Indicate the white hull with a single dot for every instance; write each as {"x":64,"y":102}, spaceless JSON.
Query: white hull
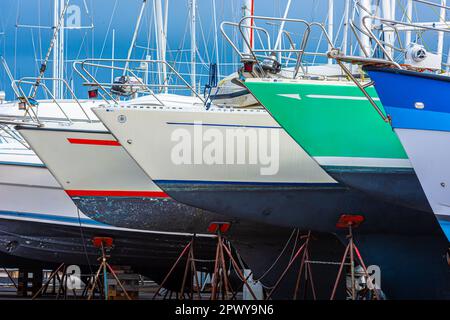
{"x":29,"y":192}
{"x":148,"y":136}
{"x":81,"y":159}
{"x":429,"y":153}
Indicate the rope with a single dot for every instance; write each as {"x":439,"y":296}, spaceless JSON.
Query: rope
{"x":278,"y":258}
{"x":84,"y":241}
{"x":107,"y":33}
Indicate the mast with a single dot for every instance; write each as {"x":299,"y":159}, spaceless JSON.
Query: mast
{"x":440,"y":46}
{"x":56,"y":32}
{"x":216,"y":40}
{"x":388,"y":14}
{"x":393,"y":7}
{"x":135,"y":34}
{"x":56,"y":65}
{"x":365,"y":39}
{"x":248,"y":10}
{"x":193,"y":43}
{"x":280,"y":31}
{"x":330,"y":30}
{"x":113,"y":53}
{"x":345,"y":35}
{"x":409,"y":8}
{"x":61,"y":35}
{"x":161,"y":41}
{"x":56,"y":48}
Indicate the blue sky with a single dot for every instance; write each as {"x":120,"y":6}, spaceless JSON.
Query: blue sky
{"x":23,"y":48}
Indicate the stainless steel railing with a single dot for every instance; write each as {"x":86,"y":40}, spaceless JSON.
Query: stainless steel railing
{"x":81,"y":68}
{"x":267,"y":51}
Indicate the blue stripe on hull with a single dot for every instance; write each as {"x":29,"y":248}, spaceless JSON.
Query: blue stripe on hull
{"x":22,"y":164}
{"x":222,"y":125}
{"x":248,"y":183}
{"x":418,"y":119}
{"x":50,"y":218}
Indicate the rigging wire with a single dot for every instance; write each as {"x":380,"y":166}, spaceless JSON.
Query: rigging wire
{"x":107,"y":33}
{"x":84,"y":241}
{"x":278,"y":257}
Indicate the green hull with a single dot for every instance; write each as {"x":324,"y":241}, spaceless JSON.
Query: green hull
{"x":336,"y":125}
{"x":328,"y":119}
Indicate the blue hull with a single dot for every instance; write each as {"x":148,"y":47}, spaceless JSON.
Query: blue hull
{"x":400,"y":90}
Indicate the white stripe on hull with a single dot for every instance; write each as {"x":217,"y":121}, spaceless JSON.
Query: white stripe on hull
{"x":331,"y":97}
{"x":363,"y":162}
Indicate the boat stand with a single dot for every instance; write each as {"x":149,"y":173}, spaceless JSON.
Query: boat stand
{"x":349,"y":222}
{"x":190,"y":266}
{"x":220,"y":281}
{"x":62,"y":283}
{"x":10,"y":278}
{"x":104,"y":243}
{"x":304,"y":270}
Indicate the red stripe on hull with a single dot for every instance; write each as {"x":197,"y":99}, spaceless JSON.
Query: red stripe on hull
{"x":94,"y":142}
{"x":111,"y":193}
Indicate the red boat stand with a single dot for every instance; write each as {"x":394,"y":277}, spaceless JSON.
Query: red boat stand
{"x":348,"y":221}
{"x":104,"y":243}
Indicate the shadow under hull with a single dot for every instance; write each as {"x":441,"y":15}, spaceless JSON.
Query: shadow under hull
{"x":391,"y":236}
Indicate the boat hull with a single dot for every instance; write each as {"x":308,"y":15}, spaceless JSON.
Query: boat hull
{"x":337,"y":126}
{"x":429,"y":154}
{"x":295,"y":196}
{"x":375,"y":182}
{"x":299,"y":202}
{"x":54,"y":230}
{"x":106,"y":184}
{"x":421,"y":121}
